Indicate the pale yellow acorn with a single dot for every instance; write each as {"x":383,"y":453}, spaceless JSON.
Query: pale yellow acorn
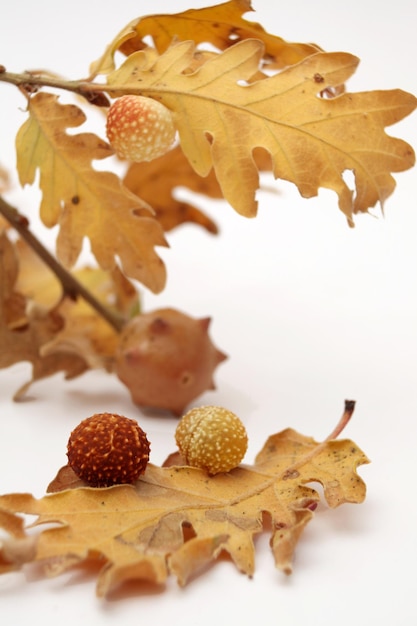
{"x":211,"y":438}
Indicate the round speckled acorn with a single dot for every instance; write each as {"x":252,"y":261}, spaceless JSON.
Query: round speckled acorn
{"x":108,"y":449}
{"x":211,"y":438}
{"x":139,"y":128}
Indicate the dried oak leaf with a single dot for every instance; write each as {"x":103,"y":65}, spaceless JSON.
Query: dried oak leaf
{"x":175,"y":520}
{"x":84,"y":333}
{"x":40,"y":284}
{"x":222,"y":118}
{"x":4,"y":180}
{"x":83,"y":201}
{"x":18,"y":548}
{"x":221,"y":25}
{"x":155,"y":181}
{"x":25,"y":330}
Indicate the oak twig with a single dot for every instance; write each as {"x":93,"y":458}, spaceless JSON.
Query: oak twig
{"x":70,"y":285}
{"x":29,"y":82}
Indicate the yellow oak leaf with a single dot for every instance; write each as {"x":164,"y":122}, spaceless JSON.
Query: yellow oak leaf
{"x":38,"y":283}
{"x":221,"y":25}
{"x":86,"y":333}
{"x":156,"y":182}
{"x":177,"y":519}
{"x":222,"y":118}
{"x":83,"y":201}
{"x":35,"y":279}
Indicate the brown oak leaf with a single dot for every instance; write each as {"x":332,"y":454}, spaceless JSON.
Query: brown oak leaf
{"x":84,"y":333}
{"x":25,"y":330}
{"x":56,"y":333}
{"x":177,"y":519}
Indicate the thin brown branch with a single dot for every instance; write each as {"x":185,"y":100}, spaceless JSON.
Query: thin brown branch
{"x":30,"y":82}
{"x":70,"y":285}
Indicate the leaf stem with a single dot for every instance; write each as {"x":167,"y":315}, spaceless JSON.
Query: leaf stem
{"x":342,"y":423}
{"x":292,"y":470}
{"x":70,"y":285}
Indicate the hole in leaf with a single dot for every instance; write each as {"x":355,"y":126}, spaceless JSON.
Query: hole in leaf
{"x":188,"y":532}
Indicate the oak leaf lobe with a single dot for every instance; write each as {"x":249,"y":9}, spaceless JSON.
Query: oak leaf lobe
{"x":221,"y":25}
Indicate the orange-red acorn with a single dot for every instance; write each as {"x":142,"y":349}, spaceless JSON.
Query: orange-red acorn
{"x":108,"y":449}
{"x":139,"y":128}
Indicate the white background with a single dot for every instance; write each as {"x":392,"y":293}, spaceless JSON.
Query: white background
{"x":310,"y":312}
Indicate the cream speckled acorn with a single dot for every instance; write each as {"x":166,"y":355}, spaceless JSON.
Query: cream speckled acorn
{"x":139,"y":128}
{"x":212,"y":438}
